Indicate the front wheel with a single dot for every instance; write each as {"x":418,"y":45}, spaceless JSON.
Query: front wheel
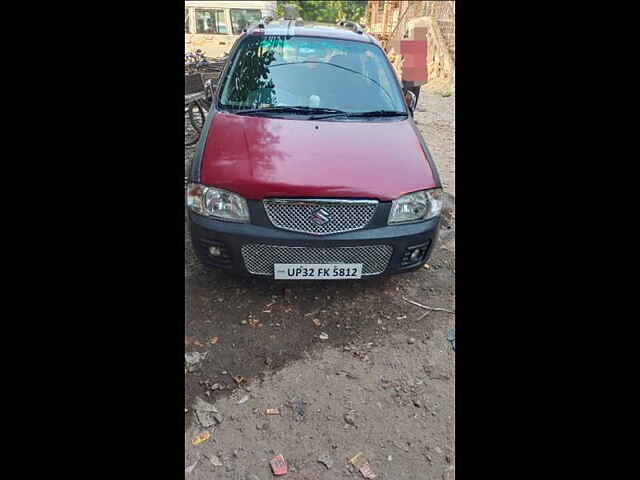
{"x":194,"y":118}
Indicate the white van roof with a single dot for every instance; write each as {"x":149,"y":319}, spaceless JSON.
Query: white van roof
{"x":266,"y":6}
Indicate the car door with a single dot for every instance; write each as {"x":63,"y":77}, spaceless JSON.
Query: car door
{"x":211,"y":32}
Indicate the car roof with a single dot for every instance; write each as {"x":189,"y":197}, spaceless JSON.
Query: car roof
{"x":311,"y":29}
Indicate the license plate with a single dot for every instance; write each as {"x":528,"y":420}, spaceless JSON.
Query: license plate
{"x":317,"y":271}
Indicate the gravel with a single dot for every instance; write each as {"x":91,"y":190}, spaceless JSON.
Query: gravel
{"x":286,"y":366}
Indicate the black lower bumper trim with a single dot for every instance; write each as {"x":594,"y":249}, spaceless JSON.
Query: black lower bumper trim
{"x":207,"y":232}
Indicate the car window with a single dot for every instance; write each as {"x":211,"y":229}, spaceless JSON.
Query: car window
{"x":241,"y":18}
{"x":304,"y":71}
{"x":210,"y":21}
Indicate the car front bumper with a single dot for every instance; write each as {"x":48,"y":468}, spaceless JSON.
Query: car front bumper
{"x":249,"y":249}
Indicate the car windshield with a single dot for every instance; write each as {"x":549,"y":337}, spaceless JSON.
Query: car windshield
{"x":316,"y":73}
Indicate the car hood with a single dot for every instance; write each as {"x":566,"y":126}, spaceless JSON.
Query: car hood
{"x":260,"y":157}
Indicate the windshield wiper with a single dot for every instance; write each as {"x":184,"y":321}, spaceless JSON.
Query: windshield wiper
{"x":373,"y":113}
{"x":289,"y":109}
{"x":379,"y":113}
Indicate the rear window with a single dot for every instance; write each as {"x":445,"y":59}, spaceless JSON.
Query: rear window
{"x":241,"y":18}
{"x":272,"y":71}
{"x":210,"y":21}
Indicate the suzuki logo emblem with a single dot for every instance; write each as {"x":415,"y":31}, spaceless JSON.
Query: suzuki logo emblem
{"x":321,"y":216}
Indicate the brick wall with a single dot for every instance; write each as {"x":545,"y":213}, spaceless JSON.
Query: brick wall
{"x":402,"y":16}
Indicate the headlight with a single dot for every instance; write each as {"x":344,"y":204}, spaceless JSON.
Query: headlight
{"x":214,"y":202}
{"x":416,"y":206}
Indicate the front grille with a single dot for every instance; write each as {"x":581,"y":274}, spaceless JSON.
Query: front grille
{"x":336,"y":216}
{"x":259,"y":259}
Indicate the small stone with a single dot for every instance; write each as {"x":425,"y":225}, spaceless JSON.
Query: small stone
{"x":401,"y":447}
{"x":324,"y":336}
{"x":190,"y":468}
{"x":215,"y":461}
{"x":205,"y":412}
{"x":193,"y":358}
{"x":243,"y":399}
{"x":411,"y":341}
{"x":263,"y":426}
{"x":349,"y":418}
{"x":438,"y":450}
{"x":447,"y":458}
{"x":367,"y":472}
{"x":326,"y":460}
{"x":278,"y":465}
{"x":417,"y":403}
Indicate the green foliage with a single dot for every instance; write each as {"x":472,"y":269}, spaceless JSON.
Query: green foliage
{"x":327,"y":10}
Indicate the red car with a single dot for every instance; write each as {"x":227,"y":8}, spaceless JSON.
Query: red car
{"x":310,"y":165}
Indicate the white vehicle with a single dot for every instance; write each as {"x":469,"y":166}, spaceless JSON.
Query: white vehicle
{"x":213,"y":26}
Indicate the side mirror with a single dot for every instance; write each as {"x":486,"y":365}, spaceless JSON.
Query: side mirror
{"x":411,"y":100}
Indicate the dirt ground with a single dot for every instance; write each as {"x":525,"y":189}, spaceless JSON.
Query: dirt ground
{"x":381,"y":384}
